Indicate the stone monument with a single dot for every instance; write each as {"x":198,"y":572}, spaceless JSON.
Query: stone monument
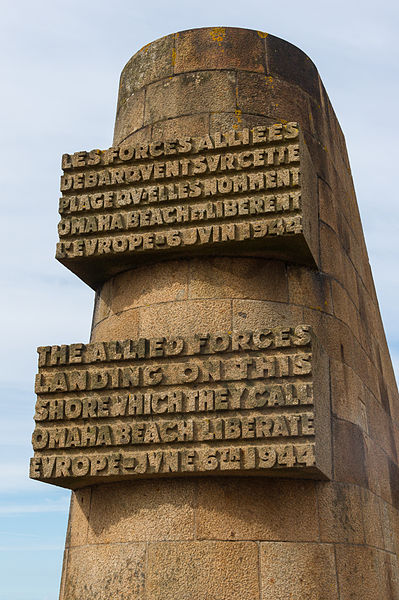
{"x":230,"y":431}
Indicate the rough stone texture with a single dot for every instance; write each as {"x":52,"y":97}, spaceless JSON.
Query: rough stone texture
{"x":298,"y":571}
{"x":110,"y":571}
{"x":202,"y":570}
{"x":200,"y":49}
{"x":234,"y":538}
{"x":367,"y":573}
{"x":258,"y":510}
{"x":132,"y":517}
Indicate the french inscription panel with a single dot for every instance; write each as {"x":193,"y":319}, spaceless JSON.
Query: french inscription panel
{"x":250,"y":402}
{"x":249,"y":192}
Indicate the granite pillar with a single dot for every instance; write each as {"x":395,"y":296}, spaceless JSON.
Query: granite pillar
{"x":249,"y":538}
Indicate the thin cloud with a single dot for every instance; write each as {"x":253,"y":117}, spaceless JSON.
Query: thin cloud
{"x":61,"y":505}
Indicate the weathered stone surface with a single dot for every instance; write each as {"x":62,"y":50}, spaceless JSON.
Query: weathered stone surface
{"x":290,"y":63}
{"x":169,"y":129}
{"x":266,"y":280}
{"x":259,"y":510}
{"x":78,"y":518}
{"x":215,"y":316}
{"x":372,"y":519}
{"x":132,"y":517}
{"x":309,"y":288}
{"x":220,"y":47}
{"x":237,"y":537}
{"x":167,"y":282}
{"x":188,"y":93}
{"x":341,"y":517}
{"x":369,"y":573}
{"x":131,"y":110}
{"x":272,"y":97}
{"x":253,"y":314}
{"x":154,"y":61}
{"x":217,"y":570}
{"x":297,"y":571}
{"x":350,"y":454}
{"x":109,"y":328}
{"x":105,"y":571}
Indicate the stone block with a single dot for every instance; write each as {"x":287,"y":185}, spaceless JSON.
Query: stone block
{"x":331,"y":253}
{"x":153,"y":284}
{"x":79,"y":514}
{"x":130,"y":116}
{"x":123,"y":326}
{"x":110,"y":571}
{"x":184,"y":318}
{"x":355,"y":251}
{"x":139,"y":136}
{"x":391,"y":565}
{"x":259,"y":509}
{"x":344,"y":308}
{"x":366,"y":573}
{"x":378,"y":470}
{"x":102,"y":303}
{"x":274,"y":98}
{"x":221,"y":48}
{"x":225,"y":121}
{"x":341,"y":345}
{"x":252,"y":278}
{"x":142,"y":511}
{"x":349,"y":400}
{"x":317,"y":118}
{"x":346,"y":199}
{"x":365,"y":368}
{"x":257,"y":314}
{"x":309,"y":288}
{"x":202,"y":570}
{"x":334,"y":335}
{"x":327,"y":204}
{"x":373,"y":528}
{"x":187,"y":125}
{"x":321,"y":158}
{"x":380,"y":427}
{"x":343,"y":230}
{"x":297,"y":571}
{"x":289,"y":62}
{"x":366,"y":311}
{"x":349,"y":453}
{"x":389,"y":518}
{"x":340,"y":513}
{"x":188,"y":93}
{"x":153,"y":62}
{"x":349,"y":278}
{"x":387,"y":371}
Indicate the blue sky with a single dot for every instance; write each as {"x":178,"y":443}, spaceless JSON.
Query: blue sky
{"x":60,"y":65}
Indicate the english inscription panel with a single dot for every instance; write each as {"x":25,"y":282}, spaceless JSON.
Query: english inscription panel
{"x":249,"y":402}
{"x":248,"y":192}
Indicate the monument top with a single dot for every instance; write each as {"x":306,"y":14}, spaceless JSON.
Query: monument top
{"x":210,"y":157}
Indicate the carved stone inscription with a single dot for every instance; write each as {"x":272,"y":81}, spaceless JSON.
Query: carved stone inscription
{"x":253,"y":402}
{"x":249,"y":191}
